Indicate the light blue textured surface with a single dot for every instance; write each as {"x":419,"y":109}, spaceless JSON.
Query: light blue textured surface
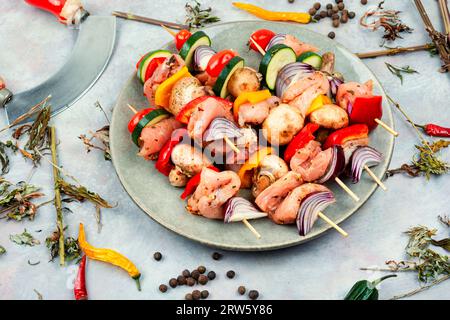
{"x":34,"y":46}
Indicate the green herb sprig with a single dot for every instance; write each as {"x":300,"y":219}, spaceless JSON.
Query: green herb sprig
{"x":197,"y":17}
{"x":15,"y":200}
{"x":398,"y":71}
{"x":72,"y":251}
{"x":24,"y":238}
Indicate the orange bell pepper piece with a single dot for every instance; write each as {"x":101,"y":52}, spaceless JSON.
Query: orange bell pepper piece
{"x":251,"y":164}
{"x":318,"y":103}
{"x":164,"y":91}
{"x":252,"y":97}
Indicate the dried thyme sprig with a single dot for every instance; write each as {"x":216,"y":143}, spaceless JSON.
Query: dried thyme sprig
{"x":398,"y":71}
{"x":4,"y":158}
{"x":72,"y":250}
{"x":15,"y":201}
{"x":101,"y":135}
{"x":427,"y":161}
{"x":197,"y":17}
{"x":24,"y":238}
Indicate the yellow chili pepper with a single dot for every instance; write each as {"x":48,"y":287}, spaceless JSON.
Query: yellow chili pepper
{"x":252,"y":97}
{"x":299,"y":17}
{"x":251,"y":164}
{"x":318,"y":103}
{"x":109,"y":256}
{"x":164,"y":91}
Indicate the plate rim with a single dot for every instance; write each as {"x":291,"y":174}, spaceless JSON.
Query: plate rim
{"x":256,"y":247}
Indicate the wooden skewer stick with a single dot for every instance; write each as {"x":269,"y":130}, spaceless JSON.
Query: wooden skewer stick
{"x":130,"y":16}
{"x":347,"y":189}
{"x":251,"y":228}
{"x":168,"y":30}
{"x":232,"y":146}
{"x":386,"y":127}
{"x":334,"y":225}
{"x":375,"y":178}
{"x":261,"y":50}
{"x":132,"y":108}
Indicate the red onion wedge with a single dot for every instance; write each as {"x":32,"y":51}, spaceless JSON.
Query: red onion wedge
{"x":202,"y":55}
{"x":277,"y":39}
{"x":310,"y":208}
{"x":361,"y":157}
{"x":334,"y":84}
{"x":221,"y":128}
{"x":290,"y":74}
{"x":336,"y":165}
{"x":238,"y":209}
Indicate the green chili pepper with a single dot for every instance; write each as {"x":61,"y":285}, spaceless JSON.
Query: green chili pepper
{"x":365,"y":290}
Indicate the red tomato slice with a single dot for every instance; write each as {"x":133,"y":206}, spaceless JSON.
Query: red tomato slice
{"x":137,"y":117}
{"x":181,"y":37}
{"x":219,"y":61}
{"x":262,"y":37}
{"x":152,"y":67}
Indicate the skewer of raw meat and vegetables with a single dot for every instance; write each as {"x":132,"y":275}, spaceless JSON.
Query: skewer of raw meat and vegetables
{"x":189,"y":118}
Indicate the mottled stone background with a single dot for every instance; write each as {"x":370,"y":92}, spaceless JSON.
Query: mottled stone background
{"x":34,"y":46}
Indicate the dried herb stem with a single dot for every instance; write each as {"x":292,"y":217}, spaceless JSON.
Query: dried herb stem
{"x":422,"y":288}
{"x":395,"y":51}
{"x":58,"y":202}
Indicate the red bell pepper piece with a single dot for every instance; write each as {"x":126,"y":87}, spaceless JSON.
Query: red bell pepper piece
{"x":366,"y":110}
{"x":300,"y":140}
{"x":79,"y":289}
{"x":138,"y":117}
{"x":152,"y":67}
{"x":193,"y":183}
{"x":163,"y":164}
{"x":341,"y":136}
{"x":185,"y":114}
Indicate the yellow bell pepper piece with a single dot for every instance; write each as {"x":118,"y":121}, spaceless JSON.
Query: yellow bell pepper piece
{"x":251,"y":164}
{"x":252,"y":97}
{"x":299,"y":17}
{"x":318,"y":103}
{"x":109,"y":256}
{"x":164,"y":91}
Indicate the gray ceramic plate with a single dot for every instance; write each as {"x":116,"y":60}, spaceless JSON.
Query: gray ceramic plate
{"x":155,"y":196}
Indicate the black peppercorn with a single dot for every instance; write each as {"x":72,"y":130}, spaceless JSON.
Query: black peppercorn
{"x":203,"y":279}
{"x":331,"y":35}
{"x":317,"y":5}
{"x":344,"y":18}
{"x":329,"y":6}
{"x":341,"y":6}
{"x":201,"y":269}
{"x":186,"y":273}
{"x":181,"y":280}
{"x":329,"y":13}
{"x":157,"y":256}
{"x":204,"y":294}
{"x":196,"y":295}
{"x":253,"y":294}
{"x":335,"y":16}
{"x":216,"y":255}
{"x":241,"y":290}
{"x":351,"y":14}
{"x":336,"y":23}
{"x":335,"y":9}
{"x":195,"y":274}
{"x":363,"y":2}
{"x":163,"y":288}
{"x":188,"y":296}
{"x":323,"y":14}
{"x":231,"y":274}
{"x":312,"y":11}
{"x":173,"y":282}
{"x":317,"y":17}
{"x":211,"y":275}
{"x":190,"y":281}
{"x":291,"y":1}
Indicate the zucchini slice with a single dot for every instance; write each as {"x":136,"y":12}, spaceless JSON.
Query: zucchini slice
{"x":153,"y":117}
{"x":220,"y":87}
{"x":311,"y":58}
{"x":198,"y":39}
{"x":275,"y":58}
{"x":142,"y":69}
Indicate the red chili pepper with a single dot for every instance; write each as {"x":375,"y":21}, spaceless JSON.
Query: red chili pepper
{"x":366,"y":109}
{"x":218,"y":62}
{"x":434,"y":130}
{"x":341,"y":136}
{"x":163,"y":164}
{"x":185,"y":114}
{"x":262,"y":37}
{"x":138,"y":117}
{"x":300,"y":140}
{"x":181,"y":37}
{"x":193,"y":183}
{"x":79,"y":289}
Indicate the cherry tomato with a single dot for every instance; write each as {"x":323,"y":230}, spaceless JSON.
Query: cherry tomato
{"x":261,"y":37}
{"x":181,"y":38}
{"x":152,"y":66}
{"x":137,"y":117}
{"x":219,"y":61}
